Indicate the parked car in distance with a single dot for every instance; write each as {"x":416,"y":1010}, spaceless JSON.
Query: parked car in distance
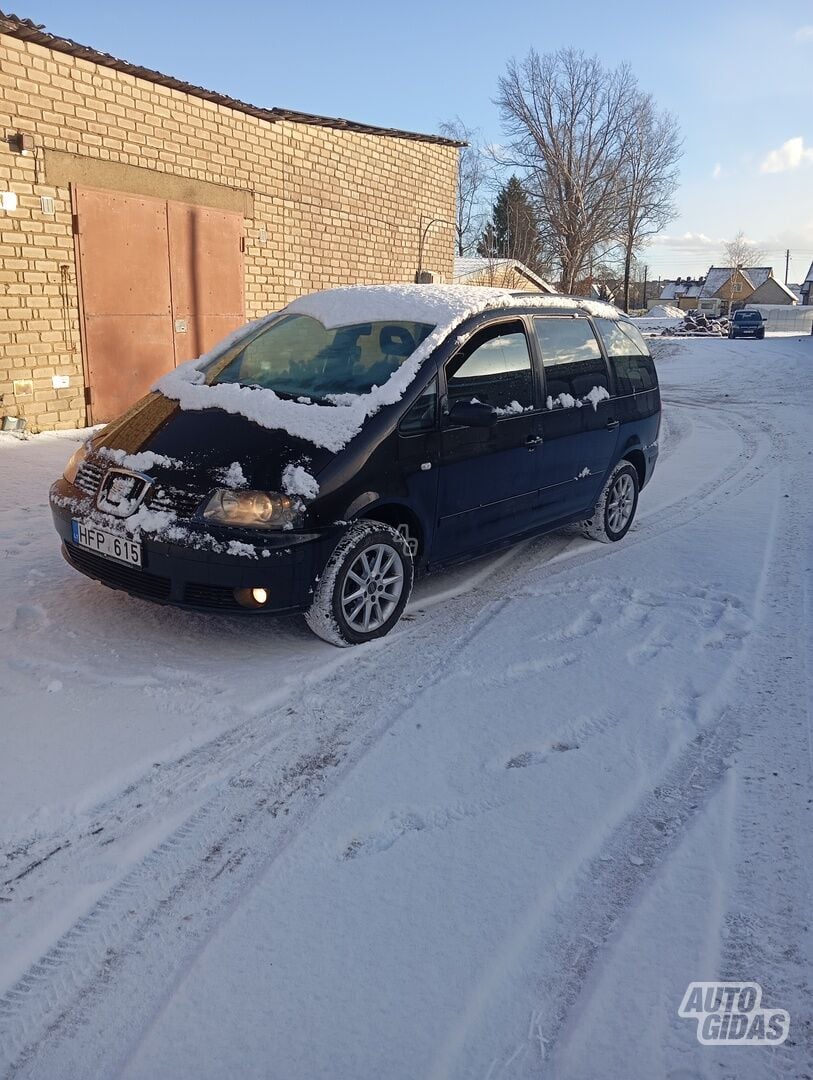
{"x":746,"y":323}
{"x":313,"y":461}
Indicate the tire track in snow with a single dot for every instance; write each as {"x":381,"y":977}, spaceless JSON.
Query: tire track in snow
{"x":202,"y":867}
{"x":208,"y":764}
{"x":108,"y":941}
{"x":598,"y":888}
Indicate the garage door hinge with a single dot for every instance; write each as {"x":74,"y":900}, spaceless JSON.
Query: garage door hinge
{"x":75,"y":224}
{"x":242,"y":245}
{"x":88,"y":396}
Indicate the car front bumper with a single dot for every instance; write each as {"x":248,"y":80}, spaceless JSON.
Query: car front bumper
{"x":201,"y":574}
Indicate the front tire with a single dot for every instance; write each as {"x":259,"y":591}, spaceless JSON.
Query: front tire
{"x":365,"y":586}
{"x":615,"y":510}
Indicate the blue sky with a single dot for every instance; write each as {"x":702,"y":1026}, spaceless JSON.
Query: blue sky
{"x":737,"y":75}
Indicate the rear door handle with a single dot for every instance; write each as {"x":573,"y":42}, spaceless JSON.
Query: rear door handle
{"x":612,"y":424}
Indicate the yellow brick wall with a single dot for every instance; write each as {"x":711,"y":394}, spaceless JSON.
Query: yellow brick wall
{"x":331,"y":207}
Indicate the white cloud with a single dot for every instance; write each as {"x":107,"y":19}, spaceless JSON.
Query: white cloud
{"x":717,"y":171}
{"x":688,"y":241}
{"x":804,"y":33}
{"x":790,"y":155}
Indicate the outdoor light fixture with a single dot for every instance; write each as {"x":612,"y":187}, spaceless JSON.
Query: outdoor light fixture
{"x":22,"y":143}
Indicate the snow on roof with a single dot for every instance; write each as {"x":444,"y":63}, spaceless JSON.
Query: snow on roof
{"x":466,"y":266}
{"x":787,"y":289}
{"x":716,"y":279}
{"x":332,"y":426}
{"x":758,"y":275}
{"x":673,"y":290}
{"x":718,"y":276}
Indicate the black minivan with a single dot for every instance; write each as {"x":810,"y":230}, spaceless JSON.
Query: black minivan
{"x":314,"y":460}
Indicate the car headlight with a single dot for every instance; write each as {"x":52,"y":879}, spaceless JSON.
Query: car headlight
{"x":255,"y":509}
{"x":75,"y":460}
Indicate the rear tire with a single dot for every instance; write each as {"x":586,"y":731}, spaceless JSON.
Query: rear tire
{"x":365,"y":586}
{"x":615,"y":509}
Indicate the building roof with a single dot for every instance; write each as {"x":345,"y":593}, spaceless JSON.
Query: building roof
{"x":809,"y":278}
{"x":757,"y":275}
{"x":26,"y":30}
{"x":718,"y":276}
{"x":673,"y":290}
{"x":467,"y":266}
{"x":788,"y":289}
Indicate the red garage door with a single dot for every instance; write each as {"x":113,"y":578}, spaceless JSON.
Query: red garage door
{"x":160,"y":283}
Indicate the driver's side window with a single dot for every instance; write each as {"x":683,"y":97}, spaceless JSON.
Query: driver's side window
{"x":493,"y":368}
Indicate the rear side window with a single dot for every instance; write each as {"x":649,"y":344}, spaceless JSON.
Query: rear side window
{"x":632,"y":365}
{"x":574,"y":367}
{"x":495,"y":368}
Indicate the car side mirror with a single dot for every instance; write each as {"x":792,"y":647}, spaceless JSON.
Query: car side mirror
{"x":472,"y":414}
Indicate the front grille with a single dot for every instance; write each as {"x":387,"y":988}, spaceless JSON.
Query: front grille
{"x":89,"y":477}
{"x":118,"y":575}
{"x":183,"y":503}
{"x":166,"y":499}
{"x":211,"y":596}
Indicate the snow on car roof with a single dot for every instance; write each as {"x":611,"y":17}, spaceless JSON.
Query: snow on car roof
{"x":441,"y":305}
{"x":333,"y":426}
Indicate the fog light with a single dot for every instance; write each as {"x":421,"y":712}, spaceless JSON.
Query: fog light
{"x":251,"y":598}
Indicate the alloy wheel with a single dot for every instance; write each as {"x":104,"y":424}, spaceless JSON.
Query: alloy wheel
{"x":620,"y":502}
{"x":372,"y":588}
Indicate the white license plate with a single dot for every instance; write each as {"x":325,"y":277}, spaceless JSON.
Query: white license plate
{"x":106,"y":543}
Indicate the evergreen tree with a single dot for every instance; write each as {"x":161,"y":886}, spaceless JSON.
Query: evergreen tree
{"x":513,"y":231}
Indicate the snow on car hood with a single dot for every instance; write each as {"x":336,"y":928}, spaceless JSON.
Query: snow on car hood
{"x":333,"y":426}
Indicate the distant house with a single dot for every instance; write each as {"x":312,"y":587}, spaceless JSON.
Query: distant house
{"x":682,"y":293}
{"x":500,"y":274}
{"x":733,"y":286}
{"x":807,"y":287}
{"x":603,"y":290}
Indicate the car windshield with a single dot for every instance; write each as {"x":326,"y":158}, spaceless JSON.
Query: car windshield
{"x":747,"y":316}
{"x":295,"y":356}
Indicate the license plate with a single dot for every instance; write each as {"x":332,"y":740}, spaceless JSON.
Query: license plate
{"x":106,"y":543}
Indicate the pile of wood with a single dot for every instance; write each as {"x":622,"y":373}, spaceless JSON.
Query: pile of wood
{"x":699,"y":324}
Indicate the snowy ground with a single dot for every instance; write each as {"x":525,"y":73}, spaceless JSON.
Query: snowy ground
{"x":499,"y":843}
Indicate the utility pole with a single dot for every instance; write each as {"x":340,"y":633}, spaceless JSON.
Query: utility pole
{"x":646,"y":270}
{"x":787,"y":264}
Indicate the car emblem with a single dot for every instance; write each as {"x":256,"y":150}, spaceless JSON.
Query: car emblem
{"x":121,"y":492}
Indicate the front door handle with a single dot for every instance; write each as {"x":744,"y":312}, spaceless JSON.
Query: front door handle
{"x":612,"y":424}
{"x":534,"y":440}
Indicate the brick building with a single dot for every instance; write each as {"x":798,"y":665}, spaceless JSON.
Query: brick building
{"x":145,"y":218}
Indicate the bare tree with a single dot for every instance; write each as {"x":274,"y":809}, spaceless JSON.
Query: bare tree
{"x":471,"y":177}
{"x":567,"y":121}
{"x":652,"y":150}
{"x":740,"y":252}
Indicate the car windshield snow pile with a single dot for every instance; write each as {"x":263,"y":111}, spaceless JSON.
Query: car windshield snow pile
{"x":297,"y":357}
